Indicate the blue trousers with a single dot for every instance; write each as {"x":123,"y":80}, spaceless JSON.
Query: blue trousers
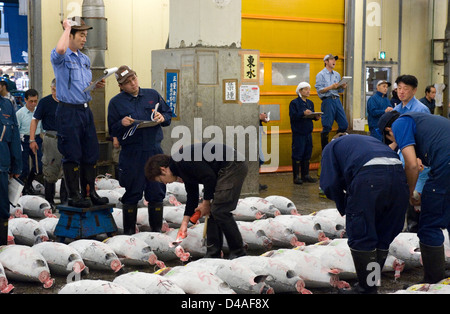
{"x":302,"y":147}
{"x":132,"y":162}
{"x":333,"y":111}
{"x":77,"y":136}
{"x":435,"y":213}
{"x":376,"y":205}
{"x":4,"y":200}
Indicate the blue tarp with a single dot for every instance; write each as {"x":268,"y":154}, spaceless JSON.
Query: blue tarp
{"x":17,"y":28}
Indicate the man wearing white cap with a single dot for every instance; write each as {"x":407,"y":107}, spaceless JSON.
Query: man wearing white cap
{"x":301,"y":112}
{"x":378,"y":105}
{"x":328,"y":88}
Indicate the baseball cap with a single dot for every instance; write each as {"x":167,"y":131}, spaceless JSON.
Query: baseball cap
{"x":301,"y":86}
{"x":386,"y":121}
{"x":123,"y":73}
{"x":78,"y":24}
{"x":384,"y":82}
{"x":330,"y":56}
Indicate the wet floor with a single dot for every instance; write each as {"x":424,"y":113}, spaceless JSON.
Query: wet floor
{"x":307,"y":200}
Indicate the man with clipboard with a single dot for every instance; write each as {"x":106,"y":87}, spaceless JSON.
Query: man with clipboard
{"x":328,"y":86}
{"x":136,"y":117}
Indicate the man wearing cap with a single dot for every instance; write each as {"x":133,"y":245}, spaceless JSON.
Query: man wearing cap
{"x":328,"y":88}
{"x":77,"y":136}
{"x":377,"y":105}
{"x":300,"y":112}
{"x":426,"y":137}
{"x":138,"y":145}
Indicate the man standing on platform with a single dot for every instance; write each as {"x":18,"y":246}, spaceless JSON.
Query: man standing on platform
{"x":77,"y":136}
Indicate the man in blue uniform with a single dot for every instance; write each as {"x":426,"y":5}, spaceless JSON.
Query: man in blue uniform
{"x":427,"y":137}
{"x":10,"y":161}
{"x":378,"y":105}
{"x":300,"y":112}
{"x":138,"y":145}
{"x":328,"y":88}
{"x":77,"y":136}
{"x":367,"y":181}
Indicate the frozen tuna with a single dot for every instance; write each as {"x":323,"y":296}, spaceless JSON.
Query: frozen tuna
{"x":246,"y":212}
{"x":280,"y":277}
{"x":93,"y":287}
{"x":407,"y":248}
{"x":283,"y":204}
{"x":263,"y":206}
{"x":161,"y":245}
{"x":240,"y":277}
{"x":145,"y":283}
{"x":133,"y":251}
{"x":5,"y":287}
{"x":27,"y":231}
{"x":309,"y":268}
{"x":254,"y":237}
{"x":196,"y":281}
{"x":22,"y":263}
{"x":193,"y":243}
{"x":61,"y":258}
{"x":97,"y":255}
{"x":35,"y":206}
{"x":49,"y":225}
{"x":278,"y":233}
{"x":304,"y":227}
{"x":16,"y":211}
{"x":107,"y":183}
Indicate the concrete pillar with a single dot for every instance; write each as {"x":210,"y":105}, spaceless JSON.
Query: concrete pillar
{"x":204,"y":56}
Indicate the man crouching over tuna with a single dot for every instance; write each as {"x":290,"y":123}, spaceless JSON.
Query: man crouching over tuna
{"x":222,"y":171}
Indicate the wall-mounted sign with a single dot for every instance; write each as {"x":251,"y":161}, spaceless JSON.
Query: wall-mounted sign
{"x":172,"y":92}
{"x":249,"y":94}
{"x":230,"y":91}
{"x":250,"y":66}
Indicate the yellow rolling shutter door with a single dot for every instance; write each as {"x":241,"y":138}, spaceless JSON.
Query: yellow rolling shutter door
{"x":293,"y":36}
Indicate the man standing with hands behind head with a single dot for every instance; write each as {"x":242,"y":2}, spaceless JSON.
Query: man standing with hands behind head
{"x":138,"y":145}
{"x":77,"y":136}
{"x":328,"y":88}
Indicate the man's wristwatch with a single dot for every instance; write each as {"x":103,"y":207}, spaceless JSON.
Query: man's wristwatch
{"x":32,"y":141}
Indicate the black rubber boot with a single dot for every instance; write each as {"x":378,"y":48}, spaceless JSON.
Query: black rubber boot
{"x":381,"y":257}
{"x":214,"y":239}
{"x":129,"y":215}
{"x":433,"y":260}
{"x":50,"y":193}
{"x":362,"y":259}
{"x":234,"y":238}
{"x":305,"y":173}
{"x":296,"y":172}
{"x":63,"y":192}
{"x":4,"y":231}
{"x":88,"y":173}
{"x":155,"y":216}
{"x":324,"y":140}
{"x":72,"y":179}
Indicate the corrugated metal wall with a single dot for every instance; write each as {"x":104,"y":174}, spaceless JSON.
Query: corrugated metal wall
{"x":293,"y":34}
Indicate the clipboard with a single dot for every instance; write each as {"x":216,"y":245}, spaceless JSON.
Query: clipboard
{"x":345,"y":80}
{"x":15,"y":188}
{"x":314,"y":115}
{"x":107,"y":73}
{"x":145,"y":124}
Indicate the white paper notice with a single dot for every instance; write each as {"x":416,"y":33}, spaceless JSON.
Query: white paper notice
{"x":249,"y":94}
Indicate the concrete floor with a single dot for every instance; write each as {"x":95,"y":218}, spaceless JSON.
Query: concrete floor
{"x":305,"y":197}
